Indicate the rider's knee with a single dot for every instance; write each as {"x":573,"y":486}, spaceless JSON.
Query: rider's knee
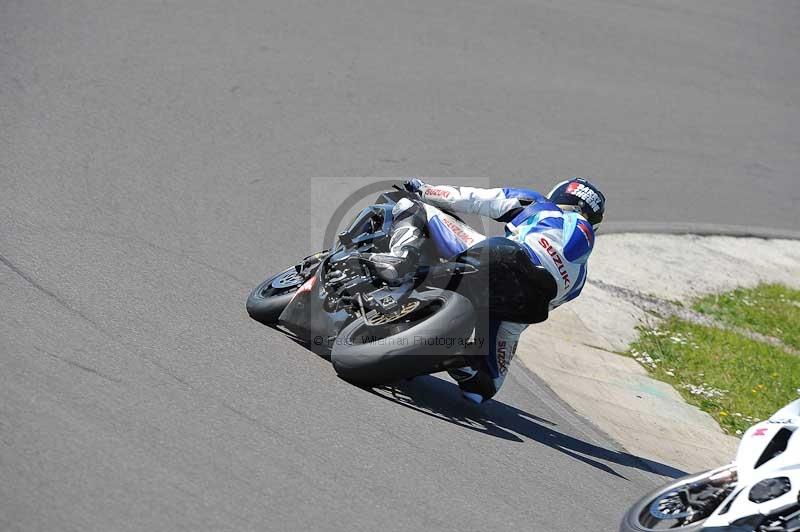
{"x":407,"y":212}
{"x":405,"y":206}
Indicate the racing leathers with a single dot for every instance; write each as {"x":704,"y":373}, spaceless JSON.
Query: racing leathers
{"x":560,"y":241}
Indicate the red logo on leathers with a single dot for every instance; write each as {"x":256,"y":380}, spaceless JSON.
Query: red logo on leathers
{"x":505,"y":352}
{"x":562,"y":269}
{"x":502,"y":364}
{"x":437,"y":193}
{"x":458,"y":231}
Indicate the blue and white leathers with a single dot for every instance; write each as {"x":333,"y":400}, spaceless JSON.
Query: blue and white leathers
{"x":560,"y":241}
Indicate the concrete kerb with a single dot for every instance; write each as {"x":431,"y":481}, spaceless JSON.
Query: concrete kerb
{"x":698,"y":229}
{"x":574,"y":352}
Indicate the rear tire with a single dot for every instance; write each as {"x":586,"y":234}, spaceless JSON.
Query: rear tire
{"x":420,"y":343}
{"x":267,"y":300}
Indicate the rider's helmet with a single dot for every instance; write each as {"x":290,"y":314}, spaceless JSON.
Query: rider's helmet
{"x":579,"y":195}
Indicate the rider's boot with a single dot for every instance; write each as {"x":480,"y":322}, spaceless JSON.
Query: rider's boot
{"x":405,"y":239}
{"x":463,"y":377}
{"x":476,"y":385}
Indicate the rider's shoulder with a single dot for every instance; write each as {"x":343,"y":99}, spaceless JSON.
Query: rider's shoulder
{"x":578,"y":239}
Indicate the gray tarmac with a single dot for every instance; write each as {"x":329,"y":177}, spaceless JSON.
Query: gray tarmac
{"x":155,"y":164}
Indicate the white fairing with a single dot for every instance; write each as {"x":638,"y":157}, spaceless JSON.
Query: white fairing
{"x":787,"y":464}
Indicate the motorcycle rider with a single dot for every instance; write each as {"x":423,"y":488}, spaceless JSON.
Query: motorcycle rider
{"x":556,"y":230}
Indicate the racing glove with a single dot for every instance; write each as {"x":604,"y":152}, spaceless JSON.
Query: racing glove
{"x":414,"y":185}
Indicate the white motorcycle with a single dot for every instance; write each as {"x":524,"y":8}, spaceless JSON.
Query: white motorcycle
{"x":758,"y":492}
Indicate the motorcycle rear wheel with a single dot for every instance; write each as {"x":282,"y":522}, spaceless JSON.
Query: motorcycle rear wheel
{"x":424,"y":341}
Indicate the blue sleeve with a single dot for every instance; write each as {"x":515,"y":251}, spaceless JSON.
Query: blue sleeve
{"x":527,"y":200}
{"x":524,"y":194}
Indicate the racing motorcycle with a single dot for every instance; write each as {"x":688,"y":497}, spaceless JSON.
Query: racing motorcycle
{"x":758,"y":492}
{"x":427,"y":321}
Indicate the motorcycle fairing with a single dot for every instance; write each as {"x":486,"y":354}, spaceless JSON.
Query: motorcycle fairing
{"x":306,"y":318}
{"x":753,"y":466}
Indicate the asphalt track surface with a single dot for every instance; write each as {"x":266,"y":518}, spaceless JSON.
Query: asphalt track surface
{"x":155,"y":164}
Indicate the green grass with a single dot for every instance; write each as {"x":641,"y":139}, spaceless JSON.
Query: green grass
{"x":769,"y":309}
{"x":737,"y":380}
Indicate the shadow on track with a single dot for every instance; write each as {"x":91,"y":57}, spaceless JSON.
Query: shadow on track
{"x":440,"y":399}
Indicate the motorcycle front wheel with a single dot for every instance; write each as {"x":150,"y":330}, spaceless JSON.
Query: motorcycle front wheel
{"x":682,"y":505}
{"x":267,"y":300}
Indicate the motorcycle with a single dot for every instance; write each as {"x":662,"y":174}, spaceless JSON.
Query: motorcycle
{"x":758,"y":492}
{"x":375,"y":332}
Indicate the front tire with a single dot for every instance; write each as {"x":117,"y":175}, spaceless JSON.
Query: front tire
{"x":267,"y":300}
{"x":652,"y":511}
{"x":421,"y":342}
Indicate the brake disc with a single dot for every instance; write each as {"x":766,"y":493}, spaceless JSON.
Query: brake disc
{"x":287,"y":279}
{"x":670,"y":506}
